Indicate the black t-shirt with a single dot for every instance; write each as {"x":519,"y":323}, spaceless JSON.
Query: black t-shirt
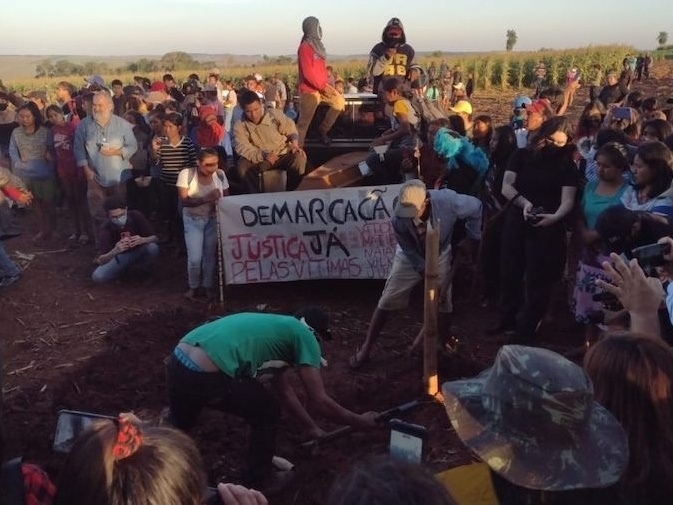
{"x":6,"y":130}
{"x":541,"y":176}
{"x":398,"y":66}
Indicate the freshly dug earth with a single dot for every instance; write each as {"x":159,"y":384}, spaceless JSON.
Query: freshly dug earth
{"x":69,"y":344}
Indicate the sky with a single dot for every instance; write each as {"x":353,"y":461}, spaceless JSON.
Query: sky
{"x":150,"y":27}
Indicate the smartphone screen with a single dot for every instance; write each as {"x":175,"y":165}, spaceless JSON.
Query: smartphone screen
{"x":69,"y":426}
{"x":406,"y":441}
{"x":621,"y":113}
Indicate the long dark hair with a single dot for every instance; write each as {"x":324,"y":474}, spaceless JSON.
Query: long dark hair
{"x":633,"y":379}
{"x":549,"y":128}
{"x":34,"y":111}
{"x":504,"y":147}
{"x":659,"y":159}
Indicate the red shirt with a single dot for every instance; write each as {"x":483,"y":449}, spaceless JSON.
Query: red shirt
{"x":312,"y":69}
{"x":63,"y":136}
{"x":38,"y":489}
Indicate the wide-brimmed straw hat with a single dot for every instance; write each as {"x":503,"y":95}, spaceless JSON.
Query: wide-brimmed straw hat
{"x":532,"y":418}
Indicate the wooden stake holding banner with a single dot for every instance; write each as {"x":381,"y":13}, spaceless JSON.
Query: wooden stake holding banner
{"x":430,"y":309}
{"x":220,"y":254}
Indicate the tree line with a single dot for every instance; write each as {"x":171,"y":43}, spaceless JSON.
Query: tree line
{"x":169,"y":62}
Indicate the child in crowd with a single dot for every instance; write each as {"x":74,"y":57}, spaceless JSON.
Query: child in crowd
{"x":402,"y":134}
{"x":71,"y":177}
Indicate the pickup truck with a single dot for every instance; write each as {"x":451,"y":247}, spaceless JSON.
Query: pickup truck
{"x":361,"y":122}
{"x":336,"y":164}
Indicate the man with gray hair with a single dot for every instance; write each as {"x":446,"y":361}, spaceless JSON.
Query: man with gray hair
{"x":104,"y":144}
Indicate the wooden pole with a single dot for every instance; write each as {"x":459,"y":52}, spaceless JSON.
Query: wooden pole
{"x":430,"y":309}
{"x":220,"y":253}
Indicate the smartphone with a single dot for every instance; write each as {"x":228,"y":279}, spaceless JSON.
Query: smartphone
{"x":621,"y":113}
{"x":69,"y":426}
{"x":212,"y":496}
{"x":651,"y":255}
{"x":407,"y":441}
{"x":125,"y":234}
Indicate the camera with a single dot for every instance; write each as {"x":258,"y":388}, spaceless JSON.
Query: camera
{"x":70,"y":425}
{"x":609,"y":302}
{"x":651,"y":255}
{"x":534,"y":215}
{"x":407,"y":441}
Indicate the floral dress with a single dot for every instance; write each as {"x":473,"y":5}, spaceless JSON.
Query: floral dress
{"x":589,"y":268}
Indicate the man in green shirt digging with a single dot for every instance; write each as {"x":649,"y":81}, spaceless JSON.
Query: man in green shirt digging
{"x":225,"y":364}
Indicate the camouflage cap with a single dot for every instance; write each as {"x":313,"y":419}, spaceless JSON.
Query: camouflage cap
{"x":532,"y":418}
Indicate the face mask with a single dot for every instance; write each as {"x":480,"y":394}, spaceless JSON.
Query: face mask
{"x":119,"y":221}
{"x":3,"y":106}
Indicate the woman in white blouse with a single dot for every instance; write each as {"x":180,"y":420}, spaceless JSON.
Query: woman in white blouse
{"x":199,"y":190}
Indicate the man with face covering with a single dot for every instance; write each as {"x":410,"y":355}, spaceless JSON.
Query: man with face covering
{"x":314,"y":88}
{"x":392,"y":57}
{"x":125,"y":240}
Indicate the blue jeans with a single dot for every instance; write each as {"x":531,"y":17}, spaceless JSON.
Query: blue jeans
{"x":7,"y":267}
{"x":201,"y":242}
{"x":141,"y":257}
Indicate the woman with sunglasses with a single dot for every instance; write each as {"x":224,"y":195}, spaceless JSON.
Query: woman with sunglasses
{"x":540,"y":183}
{"x":200,"y":189}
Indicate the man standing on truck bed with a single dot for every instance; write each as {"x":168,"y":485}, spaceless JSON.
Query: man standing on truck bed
{"x":314,"y":88}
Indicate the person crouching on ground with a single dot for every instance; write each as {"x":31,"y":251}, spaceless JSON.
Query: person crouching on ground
{"x":125,"y":240}
{"x":224,"y":364}
{"x":200,"y":189}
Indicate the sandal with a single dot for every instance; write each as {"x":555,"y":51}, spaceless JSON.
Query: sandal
{"x":356,"y":363}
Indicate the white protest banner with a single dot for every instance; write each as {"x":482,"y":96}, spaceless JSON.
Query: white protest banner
{"x":342,"y":233}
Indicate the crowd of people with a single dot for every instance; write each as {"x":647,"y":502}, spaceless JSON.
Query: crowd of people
{"x":531,"y":201}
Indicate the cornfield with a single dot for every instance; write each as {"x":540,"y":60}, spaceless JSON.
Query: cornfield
{"x":495,"y":70}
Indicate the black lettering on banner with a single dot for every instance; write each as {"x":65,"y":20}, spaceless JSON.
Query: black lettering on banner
{"x":248,"y":216}
{"x":339,"y":211}
{"x":278,"y":213}
{"x":316,"y":207}
{"x":333,"y":241}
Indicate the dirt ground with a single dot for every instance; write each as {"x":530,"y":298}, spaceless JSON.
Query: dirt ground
{"x":69,"y":344}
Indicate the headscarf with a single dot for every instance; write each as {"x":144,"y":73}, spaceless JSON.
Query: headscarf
{"x":313,"y":35}
{"x":208,"y":135}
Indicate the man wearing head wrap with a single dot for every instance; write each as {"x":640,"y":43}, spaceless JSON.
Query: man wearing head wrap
{"x":314,"y":88}
{"x":391,"y":57}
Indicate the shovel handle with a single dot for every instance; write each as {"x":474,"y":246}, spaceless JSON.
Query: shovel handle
{"x":345,"y":430}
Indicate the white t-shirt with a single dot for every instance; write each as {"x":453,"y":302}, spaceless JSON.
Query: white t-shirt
{"x":189,"y":179}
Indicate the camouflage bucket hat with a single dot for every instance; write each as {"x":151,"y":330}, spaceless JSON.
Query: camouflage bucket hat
{"x":531,"y":417}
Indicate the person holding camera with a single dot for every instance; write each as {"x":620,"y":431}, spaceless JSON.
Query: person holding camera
{"x":104,"y":144}
{"x":540,"y":183}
